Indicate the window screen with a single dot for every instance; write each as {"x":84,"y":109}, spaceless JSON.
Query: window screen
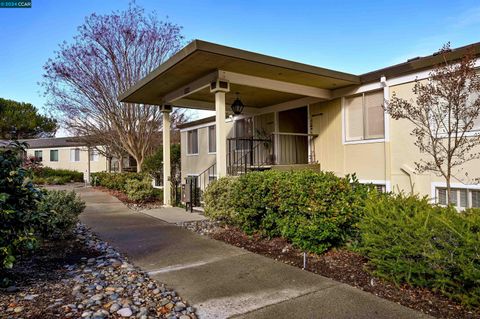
{"x":364,"y":116}
{"x":75,"y":155}
{"x":53,"y":155}
{"x":192,"y":142}
{"x":212,"y":139}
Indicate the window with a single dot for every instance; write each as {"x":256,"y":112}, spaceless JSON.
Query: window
{"x":459,"y":197}
{"x":75,"y":155}
{"x":212,"y":139}
{"x":38,"y":155}
{"x":53,"y":155}
{"x":364,"y":117}
{"x":381,"y":188}
{"x":94,"y":155}
{"x":192,"y":142}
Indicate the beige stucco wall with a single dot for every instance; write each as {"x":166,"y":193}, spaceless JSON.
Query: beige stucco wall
{"x":404,"y":154}
{"x":367,"y":160}
{"x":196,"y":164}
{"x":64,"y":159}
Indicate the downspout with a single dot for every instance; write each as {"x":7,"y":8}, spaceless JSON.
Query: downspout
{"x":411,"y":175}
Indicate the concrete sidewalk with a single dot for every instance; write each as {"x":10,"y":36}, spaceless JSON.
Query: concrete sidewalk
{"x":174,"y":215}
{"x":223,"y":281}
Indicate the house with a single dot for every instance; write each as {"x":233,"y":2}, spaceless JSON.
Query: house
{"x":295,"y":116}
{"x":66,"y":153}
{"x":72,"y":153}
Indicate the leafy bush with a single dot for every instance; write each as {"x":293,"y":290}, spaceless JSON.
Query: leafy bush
{"x":408,"y":240}
{"x":315,"y":211}
{"x":18,"y":199}
{"x":63,"y":175}
{"x":58,"y":213}
{"x":219,"y":199}
{"x":50,"y":180}
{"x":140,"y":190}
{"x":115,"y":181}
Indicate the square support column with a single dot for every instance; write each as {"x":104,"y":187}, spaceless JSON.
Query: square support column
{"x":167,"y":198}
{"x":220,"y":133}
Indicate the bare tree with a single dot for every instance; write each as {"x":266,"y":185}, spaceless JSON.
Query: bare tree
{"x":109,"y":54}
{"x":446,"y":110}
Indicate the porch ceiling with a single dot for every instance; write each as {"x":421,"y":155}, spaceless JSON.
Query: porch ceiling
{"x":199,"y":59}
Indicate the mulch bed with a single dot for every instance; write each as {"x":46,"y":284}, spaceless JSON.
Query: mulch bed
{"x":42,"y":275}
{"x":349,"y":268}
{"x":135,"y":205}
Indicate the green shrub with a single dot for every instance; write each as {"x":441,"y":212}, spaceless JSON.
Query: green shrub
{"x":63,"y":175}
{"x":51,"y":180}
{"x":140,"y":190}
{"x":218,"y":199}
{"x":18,"y":200}
{"x":407,"y":240}
{"x":115,"y":181}
{"x":315,"y":211}
{"x":59,"y":212}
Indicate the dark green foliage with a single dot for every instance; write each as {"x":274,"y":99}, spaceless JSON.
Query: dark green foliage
{"x":58,"y":214}
{"x":219,"y":199}
{"x":22,"y":121}
{"x":137,"y":186}
{"x":115,"y":181}
{"x":18,"y":200}
{"x":64,"y":175}
{"x":315,"y":211}
{"x":407,"y":240}
{"x":140,"y":191}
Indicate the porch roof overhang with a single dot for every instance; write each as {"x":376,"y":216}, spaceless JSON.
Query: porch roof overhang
{"x":261,"y":80}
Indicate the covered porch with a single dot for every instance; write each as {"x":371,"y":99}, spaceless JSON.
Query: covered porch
{"x":276,"y":124}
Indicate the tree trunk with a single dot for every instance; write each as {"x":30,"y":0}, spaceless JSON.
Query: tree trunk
{"x":139,"y":165}
{"x":120,"y":164}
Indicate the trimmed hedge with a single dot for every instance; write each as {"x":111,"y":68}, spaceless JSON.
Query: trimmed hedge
{"x":115,"y":181}
{"x":408,"y":240}
{"x":61,"y":175}
{"x":141,"y":191}
{"x":315,"y":211}
{"x":137,"y":186}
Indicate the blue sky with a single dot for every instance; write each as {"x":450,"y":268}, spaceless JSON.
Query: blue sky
{"x":350,"y":36}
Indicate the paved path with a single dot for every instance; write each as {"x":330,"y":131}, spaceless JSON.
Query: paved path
{"x":223,"y":281}
{"x":174,"y":215}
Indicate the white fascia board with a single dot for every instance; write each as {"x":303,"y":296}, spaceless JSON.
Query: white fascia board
{"x":275,"y":85}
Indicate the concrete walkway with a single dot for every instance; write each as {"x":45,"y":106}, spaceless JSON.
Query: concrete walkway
{"x":174,"y":215}
{"x":223,"y":281}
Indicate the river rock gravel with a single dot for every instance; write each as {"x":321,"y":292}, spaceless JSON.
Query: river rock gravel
{"x":104,"y":286}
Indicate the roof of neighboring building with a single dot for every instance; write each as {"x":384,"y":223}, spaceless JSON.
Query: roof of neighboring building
{"x":419,"y":63}
{"x":205,"y":120}
{"x":53,"y":142}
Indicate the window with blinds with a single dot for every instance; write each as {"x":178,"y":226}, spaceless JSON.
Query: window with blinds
{"x":212,"y":139}
{"x":459,"y":197}
{"x":364,"y":116}
{"x":192,"y":142}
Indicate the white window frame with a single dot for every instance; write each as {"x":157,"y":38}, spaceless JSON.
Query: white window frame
{"x":50,"y":155}
{"x":468,"y":187}
{"x":386,"y":118}
{"x":377,"y":182}
{"x":208,"y":139}
{"x":198,"y":142}
{"x":72,"y":159}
